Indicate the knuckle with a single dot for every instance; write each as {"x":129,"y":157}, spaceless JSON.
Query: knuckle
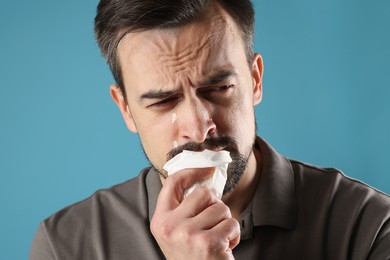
{"x":203,"y":241}
{"x":204,"y":193}
{"x":161,"y":229}
{"x":155,"y":224}
{"x":233,"y":224}
{"x":186,"y":233}
{"x":172,"y":231}
{"x":173,"y":184}
{"x":222,"y":210}
{"x":166,"y":230}
{"x":171,"y":181}
{"x":208,"y":244}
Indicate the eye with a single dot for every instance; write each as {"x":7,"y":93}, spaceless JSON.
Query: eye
{"x":223,"y":88}
{"x":164,"y":103}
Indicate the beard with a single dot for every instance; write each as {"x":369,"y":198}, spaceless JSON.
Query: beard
{"x":235,"y":169}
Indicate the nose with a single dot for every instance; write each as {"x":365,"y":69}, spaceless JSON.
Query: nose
{"x":194,"y":122}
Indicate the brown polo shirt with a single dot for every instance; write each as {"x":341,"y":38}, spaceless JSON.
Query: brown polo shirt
{"x":299,"y":211}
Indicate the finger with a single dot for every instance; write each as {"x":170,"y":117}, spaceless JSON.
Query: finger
{"x":212,"y":216}
{"x":199,"y":200}
{"x":230,"y":230}
{"x":174,"y":187}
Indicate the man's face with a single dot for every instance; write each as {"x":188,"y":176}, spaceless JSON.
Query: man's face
{"x":190,"y":84}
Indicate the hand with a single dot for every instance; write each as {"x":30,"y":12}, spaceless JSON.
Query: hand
{"x":199,"y":226}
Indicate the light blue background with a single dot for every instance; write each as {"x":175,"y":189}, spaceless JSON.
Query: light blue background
{"x":326,"y":101}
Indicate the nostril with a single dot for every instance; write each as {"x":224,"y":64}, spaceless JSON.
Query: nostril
{"x":211,"y":131}
{"x":212,"y":128}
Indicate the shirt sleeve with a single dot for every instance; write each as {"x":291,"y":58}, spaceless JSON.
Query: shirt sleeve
{"x":41,"y":248}
{"x":381,"y":246}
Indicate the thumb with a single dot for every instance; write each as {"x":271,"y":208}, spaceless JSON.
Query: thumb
{"x":174,"y":187}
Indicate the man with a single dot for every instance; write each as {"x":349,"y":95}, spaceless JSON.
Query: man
{"x":187,"y":79}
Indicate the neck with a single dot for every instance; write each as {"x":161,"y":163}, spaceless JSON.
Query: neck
{"x":239,"y":198}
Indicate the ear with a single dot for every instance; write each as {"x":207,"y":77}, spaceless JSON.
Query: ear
{"x":257,"y":75}
{"x":120,"y":100}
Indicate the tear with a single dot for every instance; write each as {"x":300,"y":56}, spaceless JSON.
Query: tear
{"x":174,"y":117}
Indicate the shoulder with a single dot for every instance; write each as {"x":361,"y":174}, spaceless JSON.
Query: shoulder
{"x":80,"y":230}
{"x":347,"y":202}
{"x":131,"y":192}
{"x":350,"y":213}
{"x":113,"y":223}
{"x":334,"y":182}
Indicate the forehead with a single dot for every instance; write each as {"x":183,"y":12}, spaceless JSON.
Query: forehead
{"x":196,"y":49}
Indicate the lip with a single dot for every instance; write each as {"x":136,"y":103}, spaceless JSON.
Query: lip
{"x":217,"y":149}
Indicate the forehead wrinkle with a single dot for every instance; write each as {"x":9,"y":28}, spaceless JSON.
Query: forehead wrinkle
{"x":176,"y":48}
{"x":183,"y":61}
{"x":179,"y":54}
{"x":201,"y":51}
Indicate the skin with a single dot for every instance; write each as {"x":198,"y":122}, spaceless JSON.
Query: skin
{"x":176,"y":81}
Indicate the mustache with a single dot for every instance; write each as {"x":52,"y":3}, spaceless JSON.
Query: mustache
{"x":226,"y":143}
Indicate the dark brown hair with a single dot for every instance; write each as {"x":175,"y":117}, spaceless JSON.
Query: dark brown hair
{"x":116,"y":18}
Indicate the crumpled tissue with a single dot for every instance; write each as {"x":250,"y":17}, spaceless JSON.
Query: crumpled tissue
{"x":204,"y":159}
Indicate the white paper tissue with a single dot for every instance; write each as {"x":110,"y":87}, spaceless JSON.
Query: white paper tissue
{"x":189,"y":159}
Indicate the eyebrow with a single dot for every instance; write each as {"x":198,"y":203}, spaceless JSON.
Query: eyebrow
{"x":159,"y":94}
{"x":218,"y":77}
{"x":212,"y":80}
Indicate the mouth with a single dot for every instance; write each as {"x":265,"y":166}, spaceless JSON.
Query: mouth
{"x":217,"y":149}
{"x":213,"y":144}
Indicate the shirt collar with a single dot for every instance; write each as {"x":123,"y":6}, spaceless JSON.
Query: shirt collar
{"x":153,"y":188}
{"x":274,"y":200}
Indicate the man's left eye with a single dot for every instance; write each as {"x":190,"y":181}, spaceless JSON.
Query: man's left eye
{"x":164,"y":103}
{"x":220,"y":88}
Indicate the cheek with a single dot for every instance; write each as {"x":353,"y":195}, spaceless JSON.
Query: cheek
{"x":155,"y":134}
{"x":228,"y":118}
{"x":237,"y":118}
